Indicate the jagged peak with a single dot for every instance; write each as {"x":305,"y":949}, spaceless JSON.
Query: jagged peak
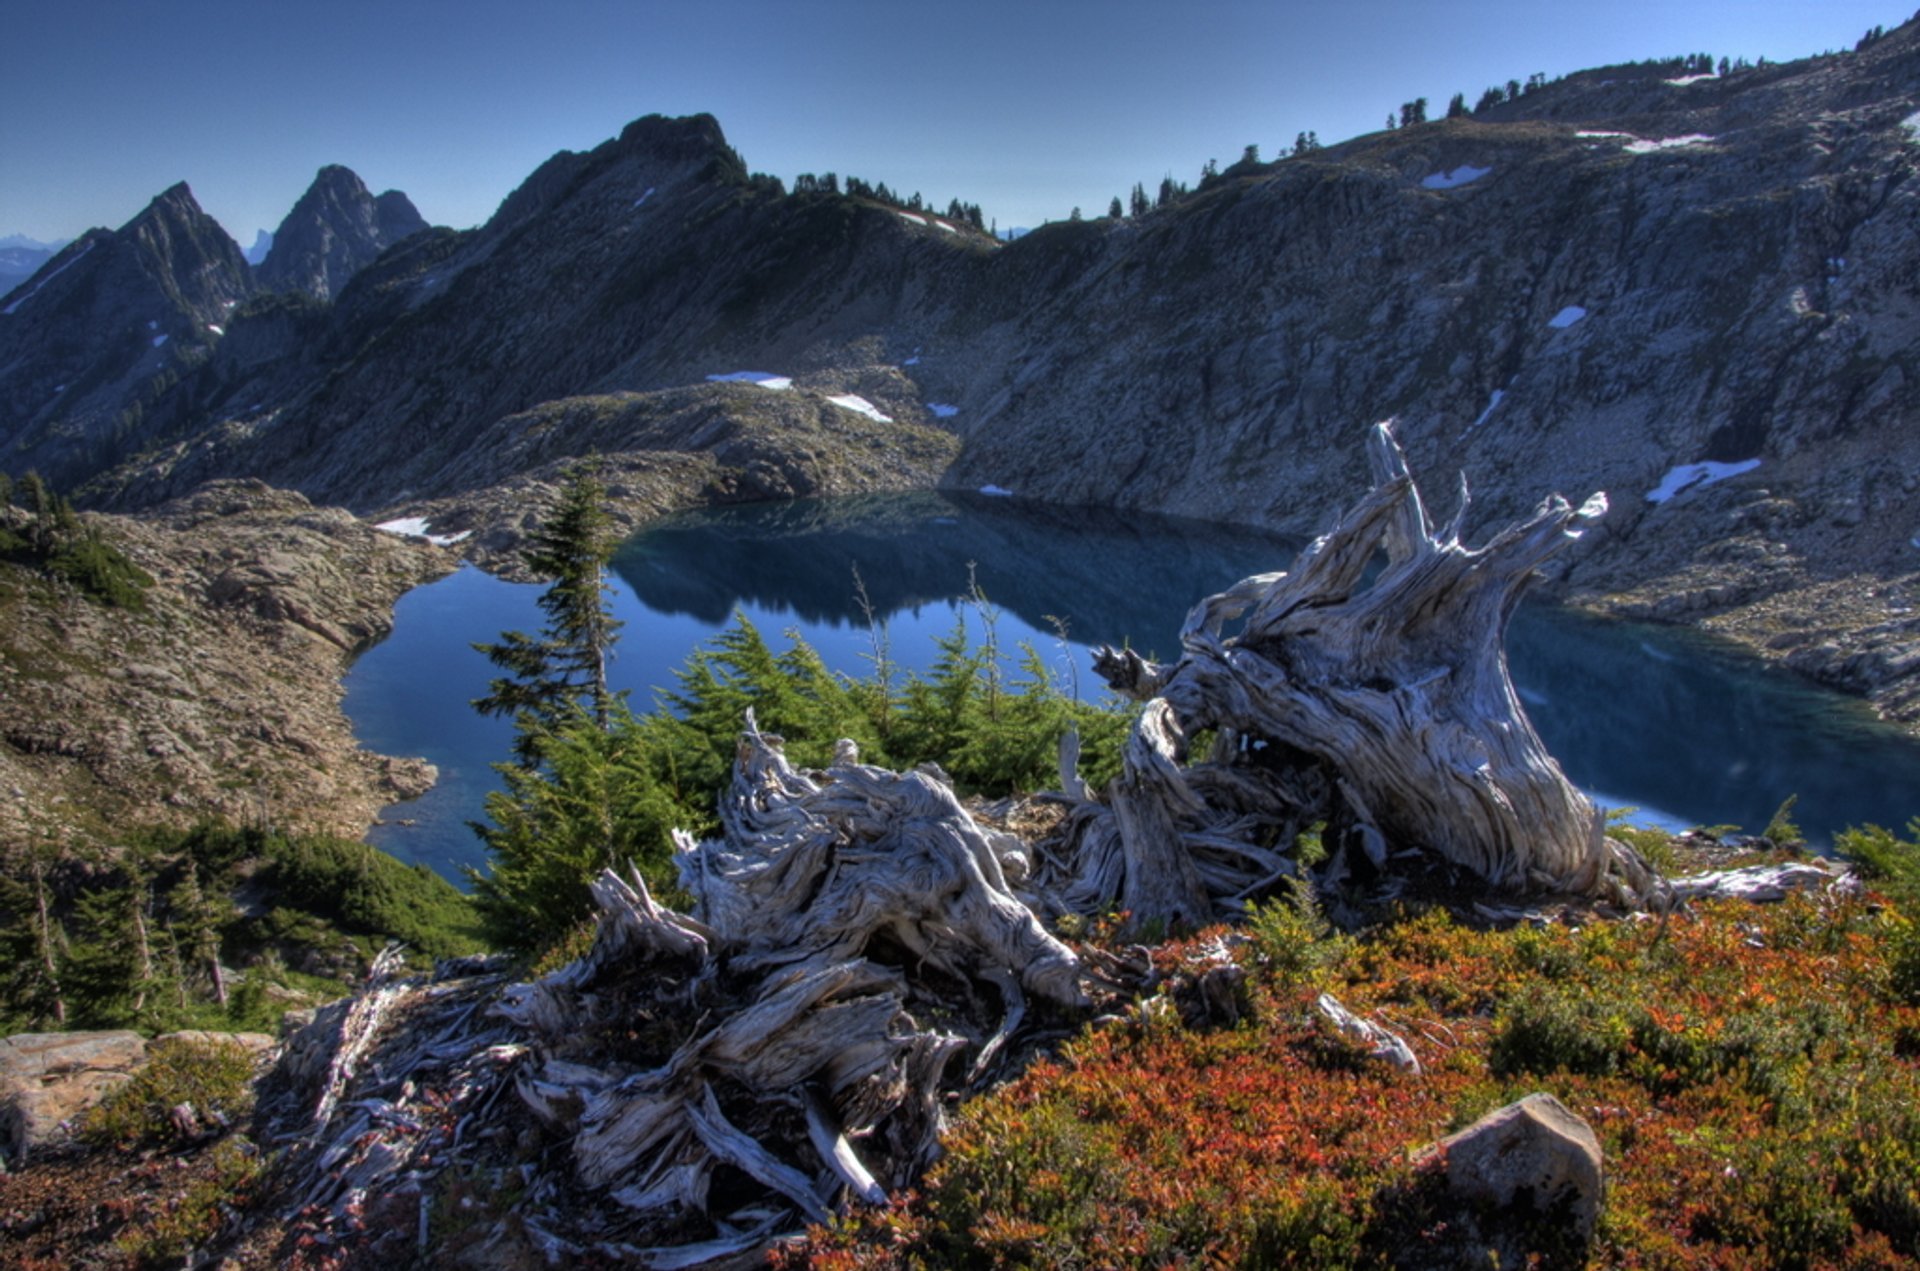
{"x":334,"y":183}
{"x":175,"y":201}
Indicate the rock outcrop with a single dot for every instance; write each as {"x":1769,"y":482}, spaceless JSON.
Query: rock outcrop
{"x":222,"y":698}
{"x":49,"y":1080}
{"x":336,"y":229}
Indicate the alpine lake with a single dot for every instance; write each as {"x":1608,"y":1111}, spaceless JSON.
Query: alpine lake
{"x":1662,"y":720}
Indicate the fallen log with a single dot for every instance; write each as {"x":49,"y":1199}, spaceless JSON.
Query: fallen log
{"x":1375,"y":702}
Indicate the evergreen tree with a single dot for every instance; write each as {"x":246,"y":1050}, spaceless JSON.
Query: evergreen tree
{"x":1457,"y":106}
{"x":1137,"y":203}
{"x":1168,"y":193}
{"x":1114,"y":210}
{"x":1489,"y":99}
{"x":565,"y":667}
{"x":601,"y":799}
{"x":1413,"y":112}
{"x":1251,"y":154}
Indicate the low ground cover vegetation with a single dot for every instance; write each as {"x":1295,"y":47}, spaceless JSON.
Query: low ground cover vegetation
{"x":1753,"y":1075}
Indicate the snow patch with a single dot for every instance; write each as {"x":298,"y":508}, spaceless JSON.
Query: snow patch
{"x":1642,"y":146}
{"x":1624,"y":136}
{"x":1493,"y":401}
{"x":44,"y":281}
{"x":416,"y":527}
{"x":1912,"y":124}
{"x":912,"y":361}
{"x":1459,"y":176}
{"x":1693,"y":79}
{"x":942,"y":411}
{"x":1566,"y":317}
{"x":943,"y":225}
{"x":762,"y":378}
{"x":996,"y":491}
{"x":214,"y":329}
{"x":861,"y":406}
{"x":644,"y":197}
{"x":1688,"y":475}
{"x":160,"y":339}
{"x":909,"y":216}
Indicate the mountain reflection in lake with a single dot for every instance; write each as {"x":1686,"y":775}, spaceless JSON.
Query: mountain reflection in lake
{"x":1649,"y":717}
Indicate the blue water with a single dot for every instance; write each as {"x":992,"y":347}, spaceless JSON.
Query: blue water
{"x":1644,"y":716}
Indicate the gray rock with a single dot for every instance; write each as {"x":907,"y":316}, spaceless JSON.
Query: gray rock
{"x":1533,"y":1153}
{"x":47,"y":1080}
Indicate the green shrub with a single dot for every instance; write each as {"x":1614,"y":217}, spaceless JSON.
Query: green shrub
{"x":215,"y":1078}
{"x":368,"y":892}
{"x":1295,"y":942}
{"x":1893,"y":863}
{"x":170,"y":1233}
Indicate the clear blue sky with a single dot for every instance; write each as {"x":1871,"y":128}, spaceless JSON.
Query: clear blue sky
{"x":1028,"y":108}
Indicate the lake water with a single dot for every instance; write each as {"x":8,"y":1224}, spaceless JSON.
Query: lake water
{"x":1652,"y":717}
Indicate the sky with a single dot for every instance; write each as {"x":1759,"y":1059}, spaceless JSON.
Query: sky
{"x":1029,"y":108}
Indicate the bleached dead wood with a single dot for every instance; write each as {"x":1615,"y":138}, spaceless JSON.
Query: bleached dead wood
{"x":837,"y":912}
{"x":1377,"y":702}
{"x":1381,"y":1042}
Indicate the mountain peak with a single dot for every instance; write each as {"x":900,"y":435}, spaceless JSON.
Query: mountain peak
{"x":337,"y":228}
{"x":675,"y":137}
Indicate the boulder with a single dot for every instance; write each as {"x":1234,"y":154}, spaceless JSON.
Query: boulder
{"x":49,"y":1079}
{"x":1531,"y":1154}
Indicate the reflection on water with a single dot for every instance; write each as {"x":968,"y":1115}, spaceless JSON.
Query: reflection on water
{"x":1650,"y":717}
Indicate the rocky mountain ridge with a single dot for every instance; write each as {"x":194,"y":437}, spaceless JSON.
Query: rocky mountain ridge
{"x":336,"y":229}
{"x":1629,"y":281}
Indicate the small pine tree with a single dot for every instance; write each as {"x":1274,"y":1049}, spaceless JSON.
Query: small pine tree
{"x":1251,"y":154}
{"x":1457,"y":106}
{"x":1114,"y":210}
{"x":566,"y":666}
{"x":1137,"y":202}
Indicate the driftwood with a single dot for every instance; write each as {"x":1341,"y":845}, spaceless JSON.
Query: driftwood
{"x":1376,"y":703}
{"x":838,"y":912}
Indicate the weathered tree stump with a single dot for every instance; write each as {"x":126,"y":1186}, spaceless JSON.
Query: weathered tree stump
{"x":838,"y":915}
{"x":1378,"y":702}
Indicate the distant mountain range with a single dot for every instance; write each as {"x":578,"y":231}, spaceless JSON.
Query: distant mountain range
{"x":1633,"y":279}
{"x":21,"y":257}
{"x":262,"y":244}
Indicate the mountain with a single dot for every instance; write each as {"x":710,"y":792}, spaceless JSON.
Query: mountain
{"x":262,"y":244}
{"x":1629,"y":280}
{"x":101,"y":333}
{"x":336,"y":229}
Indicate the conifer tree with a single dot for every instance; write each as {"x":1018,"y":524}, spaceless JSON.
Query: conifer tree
{"x":565,"y":667}
{"x":1457,"y":106}
{"x":1114,"y":211}
{"x":1138,"y":204}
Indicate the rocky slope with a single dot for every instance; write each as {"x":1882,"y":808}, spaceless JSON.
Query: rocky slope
{"x":222,"y":698}
{"x":336,"y":229}
{"x":1596,"y":286}
{"x":106,"y":328}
